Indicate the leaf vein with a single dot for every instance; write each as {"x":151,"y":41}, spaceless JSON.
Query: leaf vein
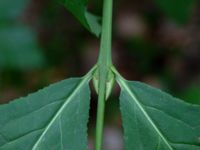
{"x":141,"y":107}
{"x":65,"y":104}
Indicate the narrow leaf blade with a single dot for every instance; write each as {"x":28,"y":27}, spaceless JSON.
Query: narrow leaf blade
{"x":53,"y":118}
{"x":154,"y":120}
{"x":79,"y":9}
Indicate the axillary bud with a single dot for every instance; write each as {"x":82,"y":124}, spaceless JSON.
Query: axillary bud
{"x":109,"y":82}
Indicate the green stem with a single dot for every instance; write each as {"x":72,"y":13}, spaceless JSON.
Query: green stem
{"x":104,"y":63}
{"x":106,"y":36}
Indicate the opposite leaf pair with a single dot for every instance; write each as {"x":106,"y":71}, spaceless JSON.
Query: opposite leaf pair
{"x":56,"y":117}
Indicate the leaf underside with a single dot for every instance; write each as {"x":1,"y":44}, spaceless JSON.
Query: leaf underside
{"x":54,"y":118}
{"x":79,"y":9}
{"x":154,"y":120}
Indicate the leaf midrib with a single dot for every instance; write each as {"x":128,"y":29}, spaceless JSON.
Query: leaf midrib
{"x":65,"y":104}
{"x":127,"y":88}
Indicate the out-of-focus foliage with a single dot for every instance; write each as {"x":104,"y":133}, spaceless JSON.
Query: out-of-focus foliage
{"x":192,"y":94}
{"x":178,"y":10}
{"x":144,"y":48}
{"x":10,"y":9}
{"x":19,"y":48}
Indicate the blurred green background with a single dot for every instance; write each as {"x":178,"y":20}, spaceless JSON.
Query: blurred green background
{"x":154,"y":41}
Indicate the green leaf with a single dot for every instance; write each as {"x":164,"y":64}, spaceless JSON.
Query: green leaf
{"x":178,"y":10}
{"x":19,"y":48}
{"x":79,"y":9}
{"x":154,"y":120}
{"x":54,"y":118}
